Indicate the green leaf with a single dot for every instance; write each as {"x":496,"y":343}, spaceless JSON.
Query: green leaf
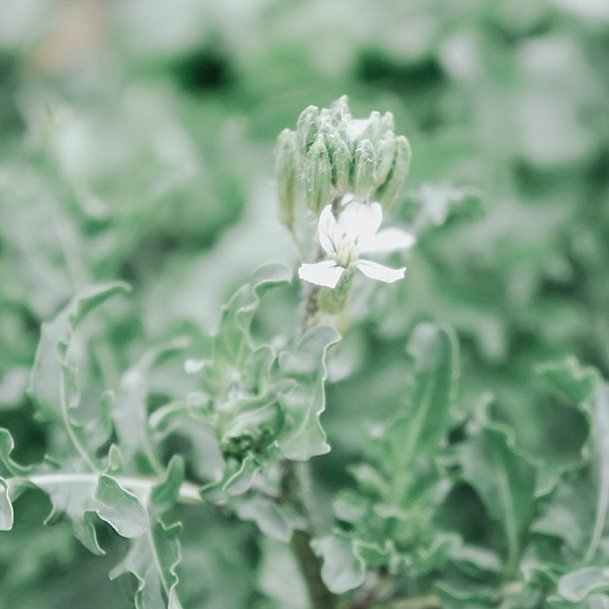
{"x":579,"y":585}
{"x":47,"y":372}
{"x":568,"y":376}
{"x":82,"y":496}
{"x":6,"y":507}
{"x":343,"y":568}
{"x":7,"y":445}
{"x":600,"y":416}
{"x":425,"y":425}
{"x":130,"y":409}
{"x":233,"y":342}
{"x":153,"y":558}
{"x":303,"y":436}
{"x":237,"y":480}
{"x":120,"y":508}
{"x":273,"y":520}
{"x":505,"y":481}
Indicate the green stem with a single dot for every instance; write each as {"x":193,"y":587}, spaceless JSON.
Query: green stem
{"x":188,"y":494}
{"x":310,"y":564}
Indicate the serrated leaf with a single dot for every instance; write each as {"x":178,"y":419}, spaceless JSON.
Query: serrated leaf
{"x":579,"y":585}
{"x":343,"y":569}
{"x":303,"y":436}
{"x":152,"y":559}
{"x":426,"y":422}
{"x":6,"y":508}
{"x":505,"y":481}
{"x":47,"y":372}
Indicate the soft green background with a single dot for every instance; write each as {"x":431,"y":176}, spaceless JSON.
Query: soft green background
{"x":136,"y":143}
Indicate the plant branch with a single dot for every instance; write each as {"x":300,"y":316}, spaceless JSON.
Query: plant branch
{"x":188,"y":494}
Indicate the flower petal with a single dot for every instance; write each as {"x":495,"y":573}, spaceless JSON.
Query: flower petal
{"x":328,"y":231}
{"x":377,"y":271}
{"x":360,"y":220}
{"x":388,"y":240}
{"x":326,"y":273}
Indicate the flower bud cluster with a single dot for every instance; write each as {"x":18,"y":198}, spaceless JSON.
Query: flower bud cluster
{"x":331,"y":154}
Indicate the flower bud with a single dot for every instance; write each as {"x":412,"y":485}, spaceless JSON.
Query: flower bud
{"x":306,"y":127}
{"x":387,"y":192}
{"x":385,"y":157}
{"x":339,"y":111}
{"x":286,"y":170}
{"x":387,"y":122}
{"x":365,"y":167}
{"x":318,"y":175}
{"x":341,"y":158}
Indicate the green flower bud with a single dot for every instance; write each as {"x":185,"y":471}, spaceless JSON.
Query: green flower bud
{"x":387,"y":122}
{"x":286,"y":171}
{"x":339,"y":111}
{"x":306,"y":126}
{"x":318,"y":175}
{"x":385,"y":157}
{"x":387,"y":193}
{"x":341,"y":158}
{"x":365,"y":168}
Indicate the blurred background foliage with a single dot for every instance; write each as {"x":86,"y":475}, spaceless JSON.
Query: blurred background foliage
{"x":136,"y":143}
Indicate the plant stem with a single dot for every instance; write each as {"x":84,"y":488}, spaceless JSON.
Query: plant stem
{"x":189,"y":492}
{"x":309,"y":563}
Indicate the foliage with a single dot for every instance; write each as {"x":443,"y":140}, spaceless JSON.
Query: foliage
{"x":176,"y":412}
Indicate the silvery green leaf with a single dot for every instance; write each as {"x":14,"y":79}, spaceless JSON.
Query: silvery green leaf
{"x":273,"y":520}
{"x":6,"y":507}
{"x":130,"y":408}
{"x":238,"y":479}
{"x":153,"y":559}
{"x":505,"y":481}
{"x":47,"y":371}
{"x":568,"y":376}
{"x":303,"y":436}
{"x":343,"y":569}
{"x":425,"y":425}
{"x":582,"y":583}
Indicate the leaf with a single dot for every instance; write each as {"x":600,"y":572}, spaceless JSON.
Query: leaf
{"x":568,"y":376}
{"x":81,"y":496}
{"x":236,"y":481}
{"x":233,"y":342}
{"x":120,"y":508}
{"x":130,"y":409}
{"x":6,"y":507}
{"x":579,"y":585}
{"x":505,"y":481}
{"x":7,"y":445}
{"x":47,"y":372}
{"x":273,"y":520}
{"x":600,"y":415}
{"x":303,"y":436}
{"x":153,"y":558}
{"x":425,"y":425}
{"x":343,"y":569}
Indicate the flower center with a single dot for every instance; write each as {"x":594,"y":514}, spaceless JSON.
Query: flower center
{"x":346,"y":252}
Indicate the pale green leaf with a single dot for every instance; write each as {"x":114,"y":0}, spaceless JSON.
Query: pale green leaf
{"x":47,"y":372}
{"x":579,"y":585}
{"x":505,"y":481}
{"x":303,"y":436}
{"x":343,"y":569}
{"x":120,"y":508}
{"x":152,"y":559}
{"x":6,"y":507}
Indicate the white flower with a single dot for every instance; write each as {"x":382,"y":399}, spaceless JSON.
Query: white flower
{"x":356,"y":232}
